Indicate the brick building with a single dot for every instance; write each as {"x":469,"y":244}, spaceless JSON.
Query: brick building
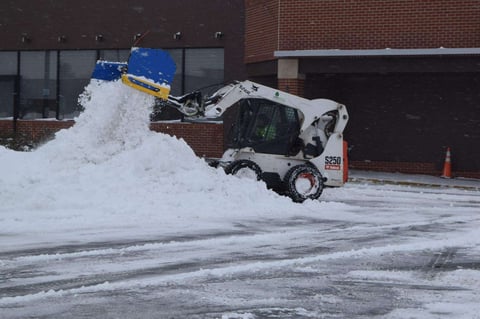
{"x":408,"y":71}
{"x":49,"y":48}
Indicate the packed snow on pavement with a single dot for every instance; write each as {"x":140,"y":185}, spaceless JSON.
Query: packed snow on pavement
{"x":110,"y":220}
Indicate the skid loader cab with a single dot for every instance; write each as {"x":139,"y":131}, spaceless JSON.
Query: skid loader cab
{"x":265,"y":126}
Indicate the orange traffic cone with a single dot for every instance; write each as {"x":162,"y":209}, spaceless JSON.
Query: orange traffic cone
{"x":447,"y":166}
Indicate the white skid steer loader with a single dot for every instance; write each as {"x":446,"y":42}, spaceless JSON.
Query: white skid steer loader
{"x":295,"y":145}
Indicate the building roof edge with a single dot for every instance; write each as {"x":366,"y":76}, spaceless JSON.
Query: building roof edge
{"x":375,"y":52}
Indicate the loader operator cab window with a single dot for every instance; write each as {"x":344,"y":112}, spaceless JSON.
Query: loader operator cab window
{"x":265,"y":129}
{"x":265,"y":126}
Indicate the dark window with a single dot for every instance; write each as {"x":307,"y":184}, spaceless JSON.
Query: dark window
{"x":266,"y":126}
{"x":8,"y":75}
{"x":38,"y":84}
{"x":8,"y":63}
{"x":75,"y":71}
{"x":49,"y":82}
{"x":114,"y":55}
{"x":176,"y":85}
{"x":203,"y":68}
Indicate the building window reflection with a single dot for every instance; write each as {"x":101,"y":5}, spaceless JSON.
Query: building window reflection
{"x":46,"y":84}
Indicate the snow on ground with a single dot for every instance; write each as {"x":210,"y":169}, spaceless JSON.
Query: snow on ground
{"x":109,"y":178}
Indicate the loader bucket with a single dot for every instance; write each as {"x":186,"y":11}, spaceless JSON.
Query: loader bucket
{"x":150,"y":71}
{"x":108,"y":71}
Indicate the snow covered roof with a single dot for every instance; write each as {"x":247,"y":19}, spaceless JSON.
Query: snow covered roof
{"x":375,"y":52}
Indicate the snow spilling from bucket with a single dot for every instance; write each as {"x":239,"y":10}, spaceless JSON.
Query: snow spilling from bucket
{"x":109,"y":171}
{"x":115,"y":120}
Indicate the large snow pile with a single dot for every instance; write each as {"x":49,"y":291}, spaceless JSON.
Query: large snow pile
{"x":110,"y":172}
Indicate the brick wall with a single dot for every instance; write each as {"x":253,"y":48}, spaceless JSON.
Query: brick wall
{"x":358,"y":24}
{"x":6,"y":127}
{"x":407,"y":168}
{"x":37,"y":131}
{"x":45,"y":130}
{"x":292,"y":86}
{"x":206,"y":139}
{"x":261,"y":30}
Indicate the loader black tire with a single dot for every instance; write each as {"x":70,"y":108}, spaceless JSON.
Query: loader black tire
{"x":241,"y":167}
{"x":303,"y":182}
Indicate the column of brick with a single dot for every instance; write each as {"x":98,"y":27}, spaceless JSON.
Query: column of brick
{"x":292,"y":86}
